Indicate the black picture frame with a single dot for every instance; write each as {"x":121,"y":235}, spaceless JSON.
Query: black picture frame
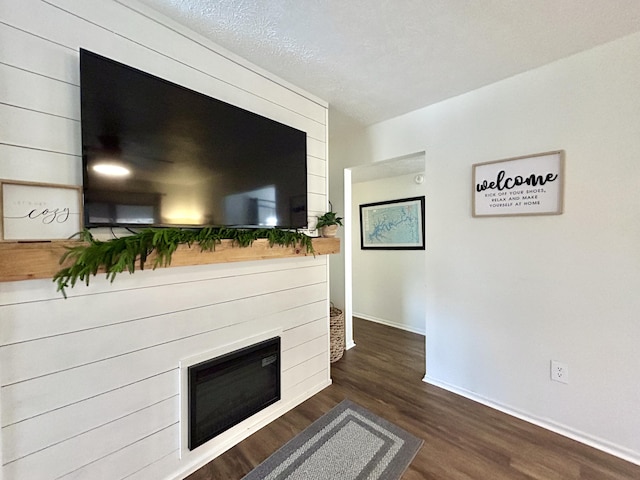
{"x":382,"y":224}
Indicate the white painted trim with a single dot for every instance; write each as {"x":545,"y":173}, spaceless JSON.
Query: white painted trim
{"x":348,"y":263}
{"x":242,"y":435}
{"x":389,"y":323}
{"x":548,"y":424}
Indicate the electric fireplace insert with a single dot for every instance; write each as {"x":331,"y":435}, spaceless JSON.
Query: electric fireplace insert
{"x":230,"y":388}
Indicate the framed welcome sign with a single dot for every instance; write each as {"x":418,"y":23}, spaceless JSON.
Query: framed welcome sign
{"x":529,"y":185}
{"x":39,"y":211}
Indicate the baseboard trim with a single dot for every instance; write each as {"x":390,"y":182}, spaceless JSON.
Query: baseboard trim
{"x":590,"y":440}
{"x":389,"y":323}
{"x":220,"y":449}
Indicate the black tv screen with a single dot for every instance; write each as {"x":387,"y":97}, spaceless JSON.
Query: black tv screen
{"x":158,"y":154}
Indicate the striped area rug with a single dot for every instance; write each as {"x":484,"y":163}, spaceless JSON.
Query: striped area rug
{"x":347,"y":443}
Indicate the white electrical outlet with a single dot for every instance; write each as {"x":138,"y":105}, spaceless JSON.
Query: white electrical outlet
{"x":559,"y":372}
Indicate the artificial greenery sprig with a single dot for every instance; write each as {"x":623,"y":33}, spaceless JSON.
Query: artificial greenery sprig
{"x":125,"y":253}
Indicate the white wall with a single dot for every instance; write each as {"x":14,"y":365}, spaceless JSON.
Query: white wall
{"x":506,"y":295}
{"x":89,"y":386}
{"x":388,"y":285}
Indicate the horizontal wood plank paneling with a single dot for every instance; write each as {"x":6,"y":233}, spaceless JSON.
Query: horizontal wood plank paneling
{"x":316,"y":166}
{"x":35,"y":92}
{"x":304,"y":332}
{"x":37,"y":433}
{"x":301,"y":388}
{"x":32,"y":53}
{"x":39,"y":290}
{"x":137,"y":457}
{"x":309,"y":311}
{"x":127,"y":305}
{"x":299,"y":373}
{"x":159,"y":468}
{"x":89,"y":386}
{"x":28,"y":128}
{"x":40,"y":394}
{"x":97,"y":443}
{"x":317,"y":204}
{"x":297,"y":354}
{"x":29,"y":165}
{"x":317,"y":184}
{"x":317,"y":148}
{"x":27,"y":360}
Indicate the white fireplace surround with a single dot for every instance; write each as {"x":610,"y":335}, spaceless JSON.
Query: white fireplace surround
{"x":228,"y":437}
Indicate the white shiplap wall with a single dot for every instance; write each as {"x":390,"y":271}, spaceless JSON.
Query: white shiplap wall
{"x":89,"y":386}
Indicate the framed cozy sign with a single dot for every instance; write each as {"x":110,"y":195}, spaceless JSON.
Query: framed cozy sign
{"x":393,"y":225}
{"x":39,"y":211}
{"x":528,"y":185}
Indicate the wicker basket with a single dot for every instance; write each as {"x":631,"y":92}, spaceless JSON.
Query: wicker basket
{"x":336,"y":333}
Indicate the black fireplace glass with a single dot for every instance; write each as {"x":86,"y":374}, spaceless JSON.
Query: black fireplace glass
{"x":230,"y":388}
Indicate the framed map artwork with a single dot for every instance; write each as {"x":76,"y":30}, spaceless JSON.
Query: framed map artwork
{"x":392,"y":225}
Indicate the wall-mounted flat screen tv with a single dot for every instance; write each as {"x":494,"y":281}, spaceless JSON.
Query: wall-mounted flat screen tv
{"x":158,"y":154}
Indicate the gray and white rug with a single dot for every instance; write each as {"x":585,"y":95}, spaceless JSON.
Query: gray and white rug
{"x":347,"y":443}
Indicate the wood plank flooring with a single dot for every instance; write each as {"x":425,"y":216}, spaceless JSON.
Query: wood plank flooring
{"x":463,"y":439}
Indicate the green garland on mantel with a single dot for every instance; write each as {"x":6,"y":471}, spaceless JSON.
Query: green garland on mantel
{"x":125,"y":253}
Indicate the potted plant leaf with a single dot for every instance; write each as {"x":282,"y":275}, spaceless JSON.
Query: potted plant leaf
{"x":328,"y":223}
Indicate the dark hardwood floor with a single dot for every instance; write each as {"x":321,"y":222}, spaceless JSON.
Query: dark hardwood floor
{"x":462,"y":439}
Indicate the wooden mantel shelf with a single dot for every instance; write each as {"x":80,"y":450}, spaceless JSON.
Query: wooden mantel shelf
{"x":29,"y":261}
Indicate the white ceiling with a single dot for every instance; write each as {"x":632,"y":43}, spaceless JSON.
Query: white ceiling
{"x":375,"y":59}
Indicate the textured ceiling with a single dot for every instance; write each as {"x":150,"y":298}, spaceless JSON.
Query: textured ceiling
{"x":394,"y":167}
{"x":375,"y":59}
